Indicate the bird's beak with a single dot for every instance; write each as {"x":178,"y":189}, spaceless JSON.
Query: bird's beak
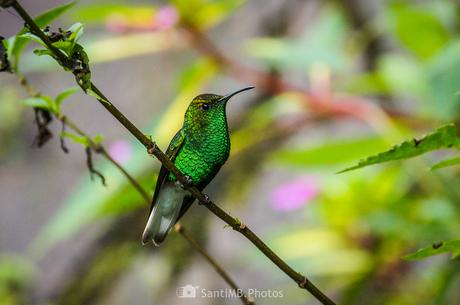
{"x":225,"y":98}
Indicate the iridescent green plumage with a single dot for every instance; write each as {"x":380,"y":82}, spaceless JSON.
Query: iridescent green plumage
{"x":198,"y":150}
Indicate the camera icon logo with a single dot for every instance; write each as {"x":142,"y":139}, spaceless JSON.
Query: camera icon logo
{"x":187,"y":291}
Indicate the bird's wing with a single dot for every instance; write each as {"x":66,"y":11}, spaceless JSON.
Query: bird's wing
{"x":172,"y":151}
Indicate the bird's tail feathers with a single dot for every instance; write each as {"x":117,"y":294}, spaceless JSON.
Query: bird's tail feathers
{"x":164,"y":215}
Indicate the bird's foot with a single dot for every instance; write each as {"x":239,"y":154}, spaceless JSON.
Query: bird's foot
{"x":206,"y":200}
{"x":152,"y":147}
{"x":188,"y":182}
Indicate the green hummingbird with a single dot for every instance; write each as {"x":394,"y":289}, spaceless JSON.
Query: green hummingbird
{"x":198,"y":150}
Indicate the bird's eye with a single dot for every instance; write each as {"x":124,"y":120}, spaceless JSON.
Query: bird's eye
{"x":204,"y":106}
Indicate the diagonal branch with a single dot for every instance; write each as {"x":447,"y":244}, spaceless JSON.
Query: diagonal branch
{"x":98,"y":148}
{"x":153,"y":149}
{"x":244,"y":298}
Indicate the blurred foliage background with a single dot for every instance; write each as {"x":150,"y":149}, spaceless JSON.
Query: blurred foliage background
{"x":336,"y":81}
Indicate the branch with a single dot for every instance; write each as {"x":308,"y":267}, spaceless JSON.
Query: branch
{"x":98,"y":148}
{"x":153,"y":149}
{"x":244,"y":298}
{"x":90,"y":165}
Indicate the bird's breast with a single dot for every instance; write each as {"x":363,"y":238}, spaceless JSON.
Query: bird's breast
{"x":201,"y":159}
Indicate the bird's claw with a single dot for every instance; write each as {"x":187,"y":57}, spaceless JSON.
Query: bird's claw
{"x":206,"y":200}
{"x":188,"y":181}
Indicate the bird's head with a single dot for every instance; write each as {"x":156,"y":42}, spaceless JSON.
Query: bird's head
{"x":206,"y":108}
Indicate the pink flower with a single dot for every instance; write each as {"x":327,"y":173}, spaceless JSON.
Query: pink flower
{"x":166,"y":17}
{"x":121,"y":151}
{"x":294,"y":194}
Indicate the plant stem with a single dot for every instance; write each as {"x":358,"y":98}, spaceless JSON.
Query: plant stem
{"x":152,"y":148}
{"x":245,"y":299}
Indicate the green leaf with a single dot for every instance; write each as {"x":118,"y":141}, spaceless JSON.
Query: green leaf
{"x":323,"y":44}
{"x":42,"y":52}
{"x":452,"y":246}
{"x":64,"y":95}
{"x":446,"y":163}
{"x":443,"y":137}
{"x":443,"y":80}
{"x":99,"y":13}
{"x":42,"y":102}
{"x":76,"y":138}
{"x":92,"y":93}
{"x":205,"y":13}
{"x":419,"y":29}
{"x":402,"y":75}
{"x":330,"y":153}
{"x":98,"y":139}
{"x":17,"y":43}
{"x":66,"y":44}
{"x":77,"y":31}
{"x":214,"y":12}
{"x":32,"y":37}
{"x":45,"y":18}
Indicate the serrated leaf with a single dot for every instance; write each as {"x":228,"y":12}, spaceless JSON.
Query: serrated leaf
{"x":452,"y":246}
{"x":443,"y":137}
{"x":42,"y":102}
{"x":76,"y":138}
{"x":17,"y":44}
{"x":64,"y":95}
{"x":446,"y":163}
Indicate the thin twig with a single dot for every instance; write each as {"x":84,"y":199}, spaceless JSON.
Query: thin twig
{"x":62,"y":138}
{"x":152,"y":148}
{"x":245,"y":299}
{"x":103,"y":151}
{"x":90,"y":165}
{"x":5,"y":65}
{"x":42,"y":119}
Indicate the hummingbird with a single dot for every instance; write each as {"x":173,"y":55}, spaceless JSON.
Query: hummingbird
{"x":198,"y":150}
